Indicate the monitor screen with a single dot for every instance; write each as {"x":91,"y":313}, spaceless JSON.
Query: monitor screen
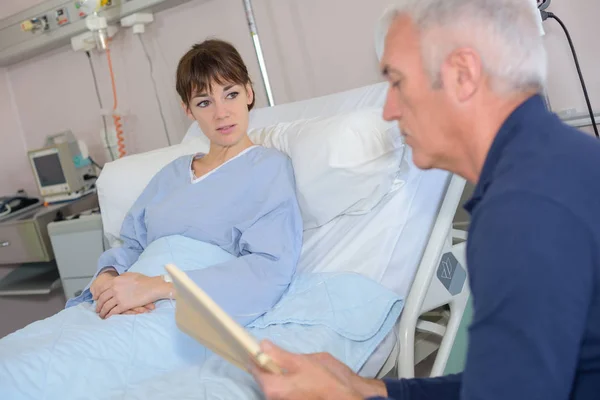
{"x":49,"y":170}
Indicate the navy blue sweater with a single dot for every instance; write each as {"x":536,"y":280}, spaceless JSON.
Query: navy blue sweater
{"x":533,"y":257}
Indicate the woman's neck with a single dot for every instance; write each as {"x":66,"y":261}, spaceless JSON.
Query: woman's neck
{"x":218,"y":155}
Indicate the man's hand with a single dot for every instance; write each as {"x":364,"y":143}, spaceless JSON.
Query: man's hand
{"x":365,"y":387}
{"x":304,"y":378}
{"x":126,"y":292}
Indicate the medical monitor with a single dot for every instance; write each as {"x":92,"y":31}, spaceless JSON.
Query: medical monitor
{"x":55,"y":171}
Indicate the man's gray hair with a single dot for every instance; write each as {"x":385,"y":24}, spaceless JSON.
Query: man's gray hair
{"x":505,"y":34}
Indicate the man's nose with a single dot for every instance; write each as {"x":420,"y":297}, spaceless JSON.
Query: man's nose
{"x":391,"y":109}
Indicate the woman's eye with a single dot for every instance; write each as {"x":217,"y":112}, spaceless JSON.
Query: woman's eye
{"x":203,"y":104}
{"x":396,"y":84}
{"x":233,"y":95}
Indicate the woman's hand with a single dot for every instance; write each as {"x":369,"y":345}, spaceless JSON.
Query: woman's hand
{"x":140,"y":310}
{"x":127,"y":292}
{"x":102,"y":282}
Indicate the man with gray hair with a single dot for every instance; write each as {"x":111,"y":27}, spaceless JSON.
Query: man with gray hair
{"x":465,"y":82}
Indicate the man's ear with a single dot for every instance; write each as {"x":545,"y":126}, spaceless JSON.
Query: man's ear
{"x":249,"y":94}
{"x":187,"y":111}
{"x":463,"y":73}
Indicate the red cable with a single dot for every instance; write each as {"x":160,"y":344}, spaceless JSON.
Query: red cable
{"x":116,"y":118}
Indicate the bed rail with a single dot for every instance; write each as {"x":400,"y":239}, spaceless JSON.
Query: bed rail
{"x":441,"y":280}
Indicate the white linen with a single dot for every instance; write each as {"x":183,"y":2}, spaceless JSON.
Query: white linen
{"x":344,"y":164}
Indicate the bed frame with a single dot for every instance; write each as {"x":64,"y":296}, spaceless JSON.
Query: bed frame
{"x":440,"y":284}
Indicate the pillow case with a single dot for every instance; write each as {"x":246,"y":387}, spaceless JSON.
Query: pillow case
{"x":343,"y":164}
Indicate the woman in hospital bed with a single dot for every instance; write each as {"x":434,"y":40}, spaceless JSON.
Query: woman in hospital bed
{"x":238,"y":196}
{"x":229,"y":217}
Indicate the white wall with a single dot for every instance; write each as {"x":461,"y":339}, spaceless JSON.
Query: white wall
{"x":54,"y":91}
{"x":317,"y":47}
{"x":581,"y":19}
{"x":15,"y":172}
{"x":312,"y":48}
{"x":62,"y":80}
{"x":12,"y":7}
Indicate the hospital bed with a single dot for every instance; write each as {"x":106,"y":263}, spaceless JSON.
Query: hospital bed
{"x":381,"y":281}
{"x":407,"y":244}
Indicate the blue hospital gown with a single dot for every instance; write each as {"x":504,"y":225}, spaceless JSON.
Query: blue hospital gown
{"x":247,"y":207}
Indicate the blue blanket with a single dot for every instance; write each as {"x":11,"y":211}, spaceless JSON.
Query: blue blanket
{"x":75,"y":354}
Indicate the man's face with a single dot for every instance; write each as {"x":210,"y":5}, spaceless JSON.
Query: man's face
{"x":423,"y":113}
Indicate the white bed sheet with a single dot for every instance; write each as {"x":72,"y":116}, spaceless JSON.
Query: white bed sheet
{"x":408,"y":251}
{"x":386,"y":244}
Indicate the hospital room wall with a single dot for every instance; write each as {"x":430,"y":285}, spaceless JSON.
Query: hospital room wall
{"x":55,"y":90}
{"x":11,"y":7}
{"x":318,"y":47}
{"x":312,"y":48}
{"x":564,"y":88}
{"x":14,"y":171}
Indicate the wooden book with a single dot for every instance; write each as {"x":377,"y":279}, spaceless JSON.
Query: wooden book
{"x":200,"y":317}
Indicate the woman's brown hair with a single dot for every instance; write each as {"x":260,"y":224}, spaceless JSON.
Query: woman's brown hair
{"x":210,"y":61}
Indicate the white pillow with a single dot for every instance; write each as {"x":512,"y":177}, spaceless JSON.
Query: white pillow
{"x":343,"y":165}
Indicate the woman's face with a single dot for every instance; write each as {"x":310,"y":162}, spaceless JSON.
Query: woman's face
{"x":223,"y":113}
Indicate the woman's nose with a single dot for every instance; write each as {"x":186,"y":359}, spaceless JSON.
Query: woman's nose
{"x":221,"y":110}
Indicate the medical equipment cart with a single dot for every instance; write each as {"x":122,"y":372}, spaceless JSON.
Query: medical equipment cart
{"x":25,"y":243}
{"x":77,"y":244}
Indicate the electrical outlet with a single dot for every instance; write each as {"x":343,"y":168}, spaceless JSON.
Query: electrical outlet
{"x":45,"y":25}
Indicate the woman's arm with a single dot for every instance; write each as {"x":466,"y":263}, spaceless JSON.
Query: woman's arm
{"x":133,"y":235}
{"x":116,"y":261}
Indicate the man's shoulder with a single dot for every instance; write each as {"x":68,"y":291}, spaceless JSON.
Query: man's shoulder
{"x":538,"y":207}
{"x":562,"y":165}
{"x":550,"y":144}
